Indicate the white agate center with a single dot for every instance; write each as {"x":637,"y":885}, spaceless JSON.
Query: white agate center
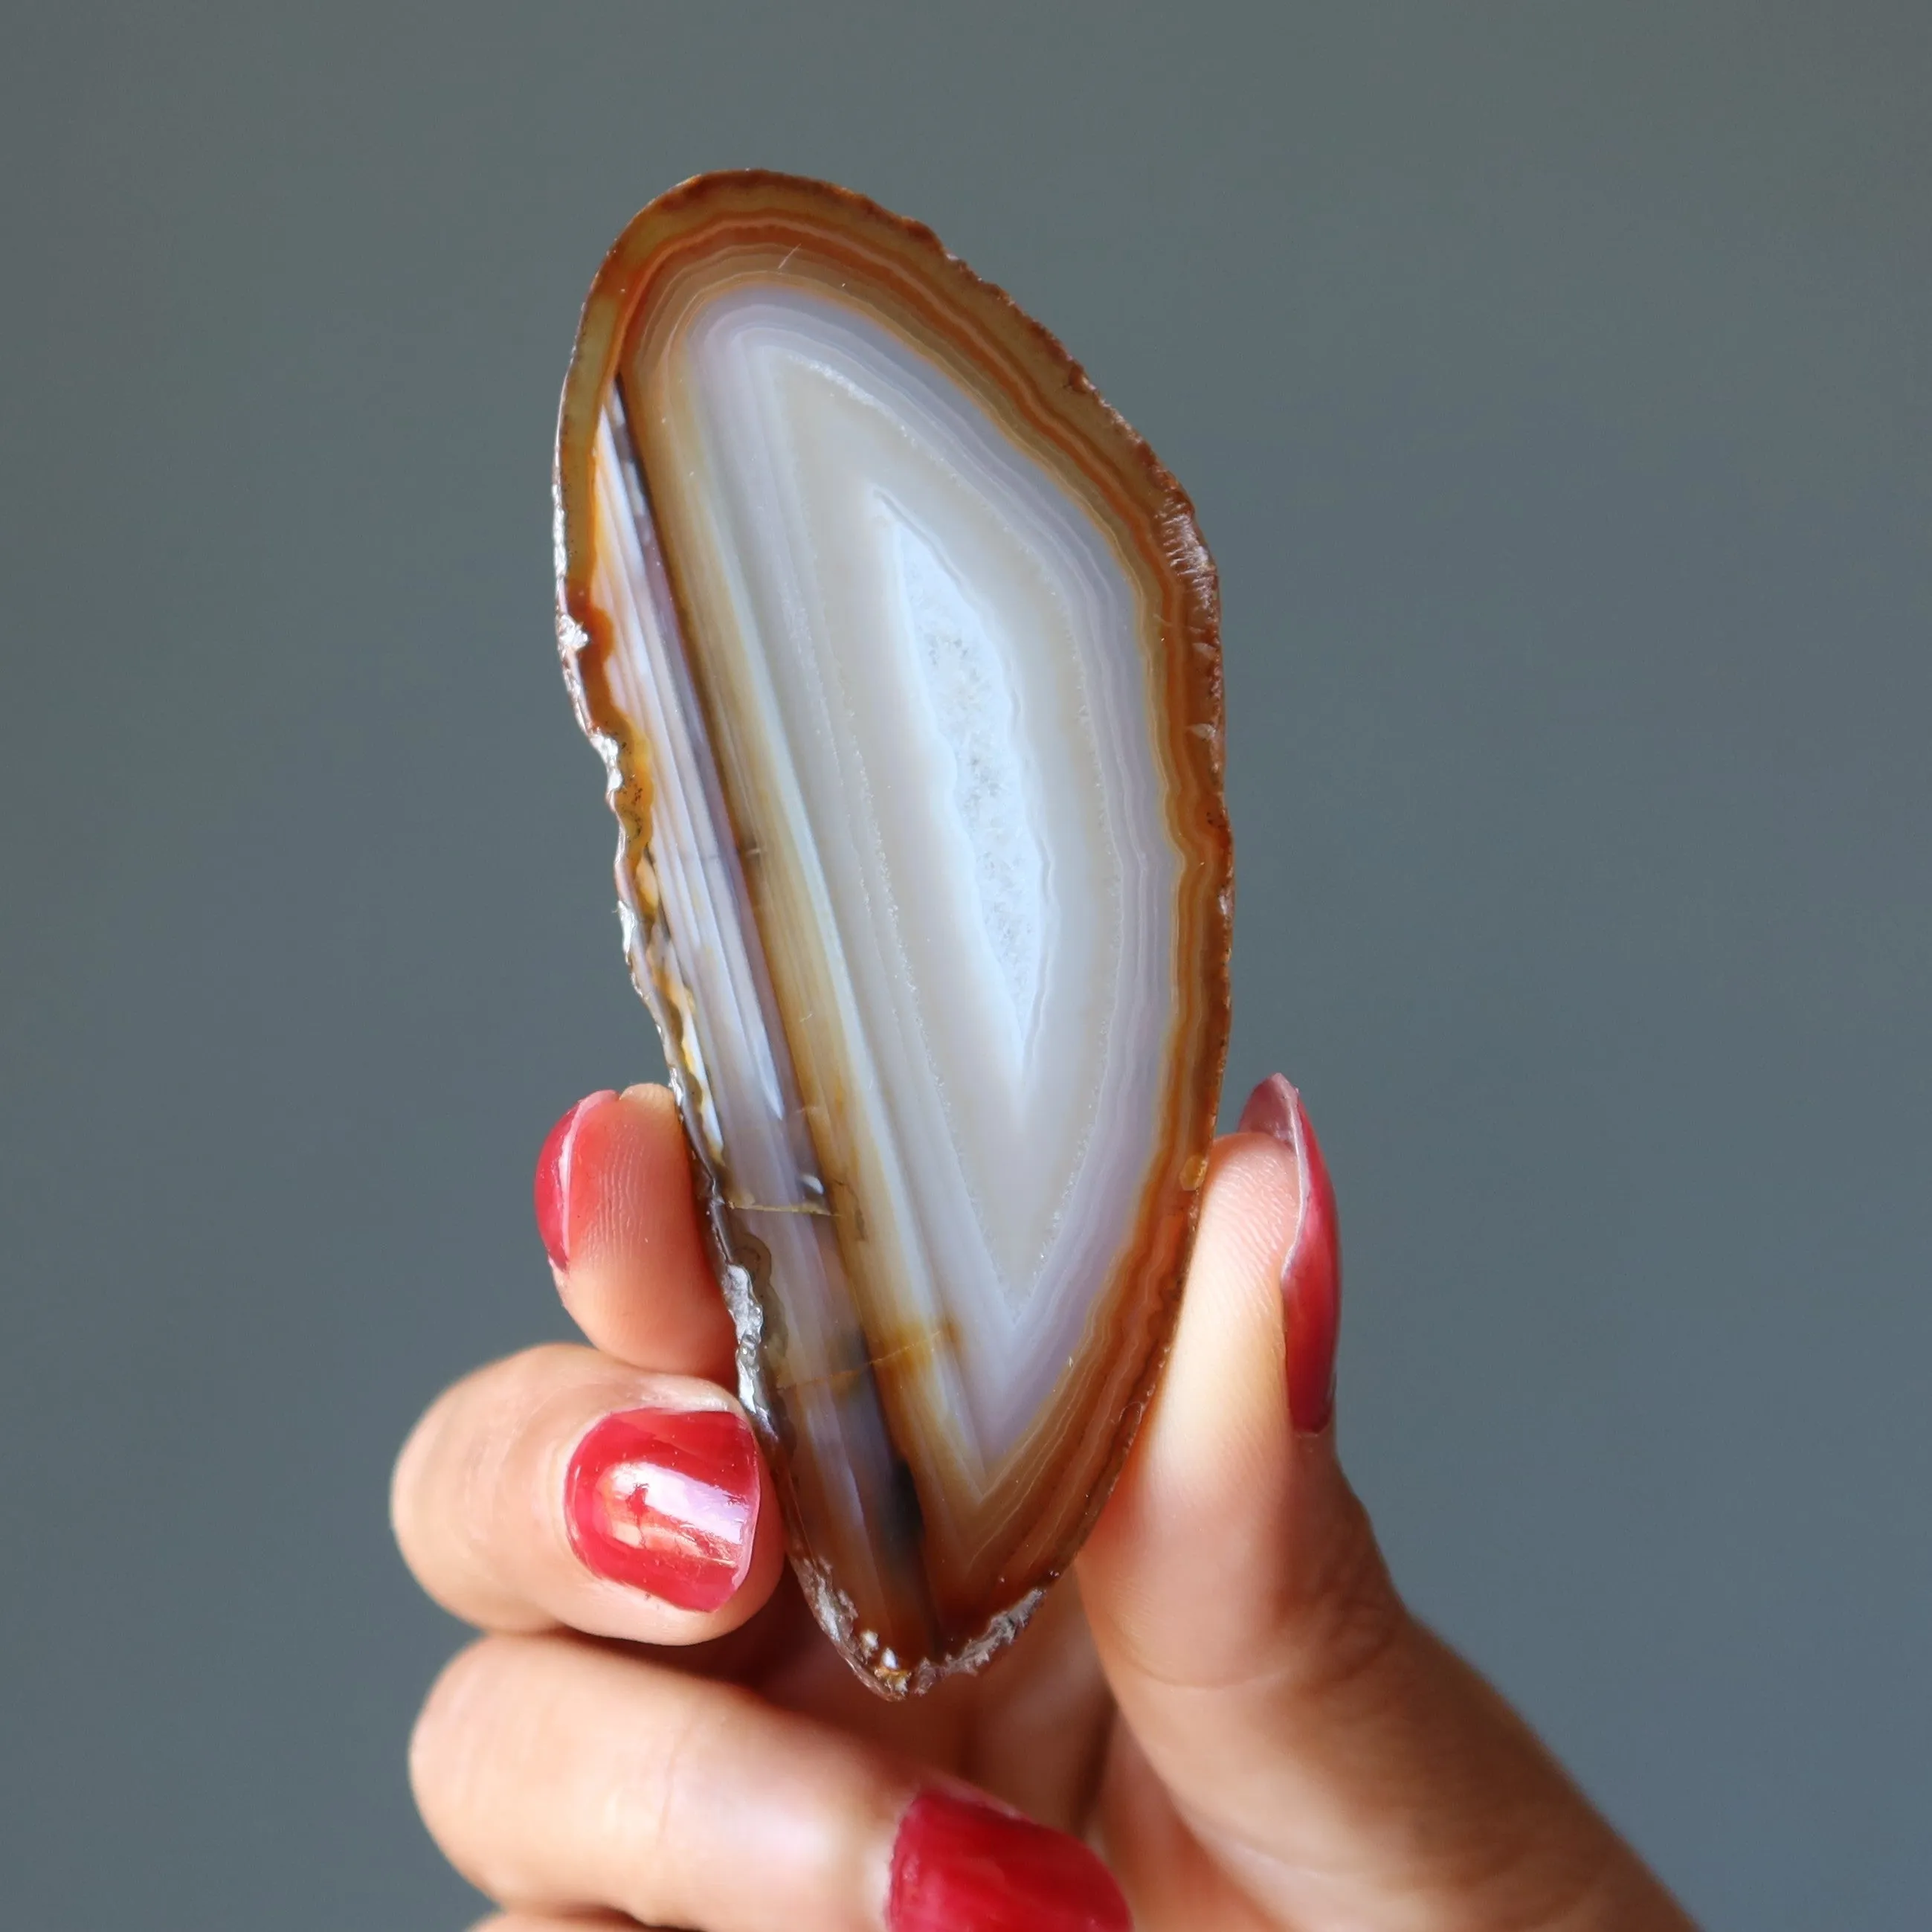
{"x":928,"y":666}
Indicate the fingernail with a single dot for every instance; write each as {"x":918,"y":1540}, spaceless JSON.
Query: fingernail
{"x":1311,"y":1277}
{"x":553,"y":1181}
{"x":960,"y":1865}
{"x":667,"y":1501}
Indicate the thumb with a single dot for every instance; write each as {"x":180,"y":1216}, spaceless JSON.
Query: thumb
{"x":1291,"y":1734}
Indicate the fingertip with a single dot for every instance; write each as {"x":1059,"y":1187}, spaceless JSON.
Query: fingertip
{"x":636,"y":1278}
{"x":1222,"y":1397}
{"x":629,"y":1179}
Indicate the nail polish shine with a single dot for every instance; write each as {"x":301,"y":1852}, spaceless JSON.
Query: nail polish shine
{"x":666,"y":1500}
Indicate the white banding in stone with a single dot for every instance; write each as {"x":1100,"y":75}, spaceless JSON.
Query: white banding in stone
{"x":936,"y":684}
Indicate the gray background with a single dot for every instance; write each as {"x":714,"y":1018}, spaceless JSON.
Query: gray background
{"x":1553,"y":382}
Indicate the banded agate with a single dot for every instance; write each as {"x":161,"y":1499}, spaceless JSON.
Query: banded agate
{"x":901,"y":651}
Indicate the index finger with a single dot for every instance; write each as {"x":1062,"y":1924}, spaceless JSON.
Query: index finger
{"x":617,"y":1212}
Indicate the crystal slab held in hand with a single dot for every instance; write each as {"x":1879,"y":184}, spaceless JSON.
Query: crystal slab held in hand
{"x":900,"y":649}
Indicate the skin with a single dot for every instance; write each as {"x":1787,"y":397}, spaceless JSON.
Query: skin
{"x":1228,"y":1699}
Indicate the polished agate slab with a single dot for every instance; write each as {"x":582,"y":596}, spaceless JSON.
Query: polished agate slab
{"x":901,"y":652}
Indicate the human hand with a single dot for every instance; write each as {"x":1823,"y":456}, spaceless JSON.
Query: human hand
{"x":1228,"y":1701}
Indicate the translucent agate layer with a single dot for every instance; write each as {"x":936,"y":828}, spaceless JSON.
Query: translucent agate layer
{"x":901,"y":651}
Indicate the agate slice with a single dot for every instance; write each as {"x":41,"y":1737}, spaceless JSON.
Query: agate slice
{"x":900,"y":649}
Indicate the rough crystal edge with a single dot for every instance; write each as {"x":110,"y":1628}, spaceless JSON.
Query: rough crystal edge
{"x":878,"y":1668}
{"x":734,"y":1278}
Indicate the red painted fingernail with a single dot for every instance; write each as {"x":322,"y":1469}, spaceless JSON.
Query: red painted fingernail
{"x":553,"y":1182}
{"x":960,"y":1865}
{"x":1311,"y":1277}
{"x":667,"y":1501}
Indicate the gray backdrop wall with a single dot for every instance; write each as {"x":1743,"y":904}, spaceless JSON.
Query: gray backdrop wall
{"x":1554,"y":383}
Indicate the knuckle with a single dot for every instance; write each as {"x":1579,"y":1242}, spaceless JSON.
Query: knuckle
{"x":466,"y":1758}
{"x":1543,"y":1869}
{"x":445,"y":1747}
{"x":445,"y":1741}
{"x":651,"y":1816}
{"x":452,"y":1486}
{"x":411,"y":1476}
{"x":1358,"y":1624}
